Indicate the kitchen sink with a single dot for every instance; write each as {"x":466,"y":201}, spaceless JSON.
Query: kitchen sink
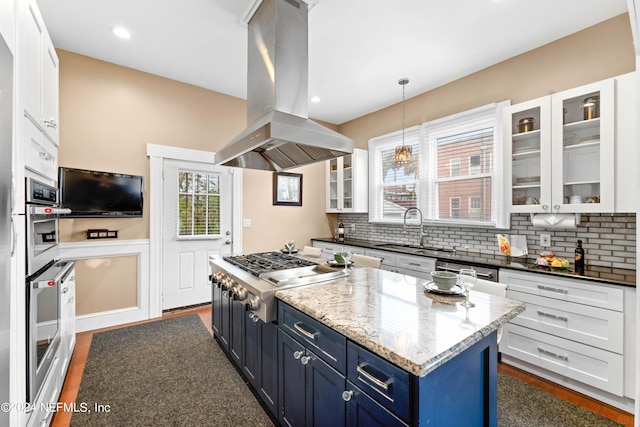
{"x":413,"y":249}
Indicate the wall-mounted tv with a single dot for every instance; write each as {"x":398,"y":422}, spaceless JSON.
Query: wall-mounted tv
{"x":93,"y":194}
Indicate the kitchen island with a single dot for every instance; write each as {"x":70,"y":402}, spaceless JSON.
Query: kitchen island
{"x":416,"y":357}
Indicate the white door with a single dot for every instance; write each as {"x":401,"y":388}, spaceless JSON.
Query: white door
{"x":197,"y":223}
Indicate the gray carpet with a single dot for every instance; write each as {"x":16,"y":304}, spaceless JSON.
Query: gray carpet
{"x":163,"y":373}
{"x":171,"y":373}
{"x":522,"y":405}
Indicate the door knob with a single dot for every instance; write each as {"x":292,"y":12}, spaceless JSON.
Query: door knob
{"x":228,"y":242}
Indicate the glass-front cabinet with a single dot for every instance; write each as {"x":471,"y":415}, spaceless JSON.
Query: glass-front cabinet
{"x":560,"y":151}
{"x":347,"y":189}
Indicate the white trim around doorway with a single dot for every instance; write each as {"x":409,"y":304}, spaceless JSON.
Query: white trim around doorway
{"x":157,"y":154}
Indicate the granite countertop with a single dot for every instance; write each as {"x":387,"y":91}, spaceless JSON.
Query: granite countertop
{"x":611,"y":275}
{"x":393,"y":316}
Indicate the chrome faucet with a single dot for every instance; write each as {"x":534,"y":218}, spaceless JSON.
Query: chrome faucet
{"x":422,"y":232}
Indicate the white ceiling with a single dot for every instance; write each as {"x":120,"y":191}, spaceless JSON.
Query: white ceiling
{"x":358,"y":49}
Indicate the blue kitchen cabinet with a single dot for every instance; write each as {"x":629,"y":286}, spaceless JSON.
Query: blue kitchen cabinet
{"x":261,"y":359}
{"x":268,"y":372}
{"x":221,"y":314}
{"x":236,"y":338}
{"x":363,"y":411}
{"x":310,"y":391}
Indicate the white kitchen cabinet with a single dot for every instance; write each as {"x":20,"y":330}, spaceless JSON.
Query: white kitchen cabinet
{"x":347,"y":183}
{"x":626,"y":151}
{"x":573,"y":332}
{"x":39,"y":72}
{"x":41,"y":155}
{"x":410,"y":265}
{"x":328,"y":249}
{"x":67,"y":319}
{"x":564,"y":162}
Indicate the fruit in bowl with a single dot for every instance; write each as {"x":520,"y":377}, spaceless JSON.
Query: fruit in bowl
{"x":548,"y":259}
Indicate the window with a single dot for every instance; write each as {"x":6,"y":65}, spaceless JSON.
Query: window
{"x":474,"y":203}
{"x":393,"y":188}
{"x":198,"y":204}
{"x":452,"y":179}
{"x":454,"y":167}
{"x":474,"y":164}
{"x":454,"y":207}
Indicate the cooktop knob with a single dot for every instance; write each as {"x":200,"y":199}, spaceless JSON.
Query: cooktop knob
{"x":252,"y":303}
{"x":241,"y":292}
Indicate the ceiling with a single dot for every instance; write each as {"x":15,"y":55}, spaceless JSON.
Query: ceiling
{"x":358,"y":49}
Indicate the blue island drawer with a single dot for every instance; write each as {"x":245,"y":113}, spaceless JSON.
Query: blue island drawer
{"x":326,"y":343}
{"x":384,"y":382}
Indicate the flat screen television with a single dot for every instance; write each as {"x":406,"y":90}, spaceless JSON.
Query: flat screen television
{"x":93,"y":194}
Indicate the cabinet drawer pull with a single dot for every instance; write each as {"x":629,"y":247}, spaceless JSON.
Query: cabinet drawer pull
{"x":298,"y":327}
{"x":377,"y":382}
{"x":347,"y":395}
{"x":549,"y":288}
{"x":553,"y":316}
{"x":552,"y":354}
{"x":297,"y":354}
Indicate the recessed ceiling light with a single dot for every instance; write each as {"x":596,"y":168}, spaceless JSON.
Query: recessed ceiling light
{"x":315,"y":99}
{"x":121,"y":32}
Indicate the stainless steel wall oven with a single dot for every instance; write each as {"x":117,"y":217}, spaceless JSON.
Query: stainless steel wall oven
{"x":42,"y":283}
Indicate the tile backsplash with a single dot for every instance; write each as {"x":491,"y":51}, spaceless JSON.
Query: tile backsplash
{"x":609,"y":240}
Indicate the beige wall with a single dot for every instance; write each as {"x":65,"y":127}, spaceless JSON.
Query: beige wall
{"x":104,"y":284}
{"x":597,"y":53}
{"x":109,"y":113}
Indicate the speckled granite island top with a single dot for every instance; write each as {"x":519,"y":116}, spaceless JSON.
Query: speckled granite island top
{"x":393,"y":316}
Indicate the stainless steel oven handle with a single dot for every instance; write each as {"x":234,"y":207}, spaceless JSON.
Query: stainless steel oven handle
{"x":14,"y":238}
{"x":43,"y":284}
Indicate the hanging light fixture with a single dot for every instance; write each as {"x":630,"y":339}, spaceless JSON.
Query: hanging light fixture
{"x":404,"y":154}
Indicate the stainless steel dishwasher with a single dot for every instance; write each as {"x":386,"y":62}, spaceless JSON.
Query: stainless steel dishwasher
{"x":486,"y":273}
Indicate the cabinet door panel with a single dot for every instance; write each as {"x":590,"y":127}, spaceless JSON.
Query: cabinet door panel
{"x":216,"y":312}
{"x":291,"y":394}
{"x":324,"y":390}
{"x":251,"y":349}
{"x":363,"y":411}
{"x":237,"y":332}
{"x":269,"y":365}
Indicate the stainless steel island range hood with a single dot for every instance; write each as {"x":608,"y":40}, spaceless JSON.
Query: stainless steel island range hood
{"x":280,"y":135}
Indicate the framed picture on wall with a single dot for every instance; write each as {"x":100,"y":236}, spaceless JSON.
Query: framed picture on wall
{"x":287,"y":189}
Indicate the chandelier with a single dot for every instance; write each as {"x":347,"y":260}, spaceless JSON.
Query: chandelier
{"x":404,"y":154}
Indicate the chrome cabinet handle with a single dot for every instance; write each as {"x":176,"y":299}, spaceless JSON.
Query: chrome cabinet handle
{"x":297,"y":354}
{"x":552,"y":289}
{"x":377,"y":382}
{"x":416,"y":264}
{"x":311,"y":335}
{"x":553,"y":316}
{"x":305,"y":359}
{"x":347,"y":395}
{"x":552,"y":354}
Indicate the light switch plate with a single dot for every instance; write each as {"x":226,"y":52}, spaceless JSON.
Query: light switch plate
{"x":545,"y":240}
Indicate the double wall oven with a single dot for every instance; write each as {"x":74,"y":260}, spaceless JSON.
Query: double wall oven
{"x":44,"y":273}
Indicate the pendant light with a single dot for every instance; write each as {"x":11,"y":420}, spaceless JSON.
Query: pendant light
{"x":404,"y":154}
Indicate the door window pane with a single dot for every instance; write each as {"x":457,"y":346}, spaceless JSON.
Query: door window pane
{"x":198,"y":204}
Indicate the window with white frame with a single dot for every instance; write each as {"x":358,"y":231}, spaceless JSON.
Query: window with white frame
{"x":454,"y":166}
{"x":456,"y":181}
{"x":393,"y":188}
{"x":454,"y":207}
{"x":474,"y":164}
{"x":198,"y":204}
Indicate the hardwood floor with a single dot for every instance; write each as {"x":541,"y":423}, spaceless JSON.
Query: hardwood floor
{"x":83,"y":341}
